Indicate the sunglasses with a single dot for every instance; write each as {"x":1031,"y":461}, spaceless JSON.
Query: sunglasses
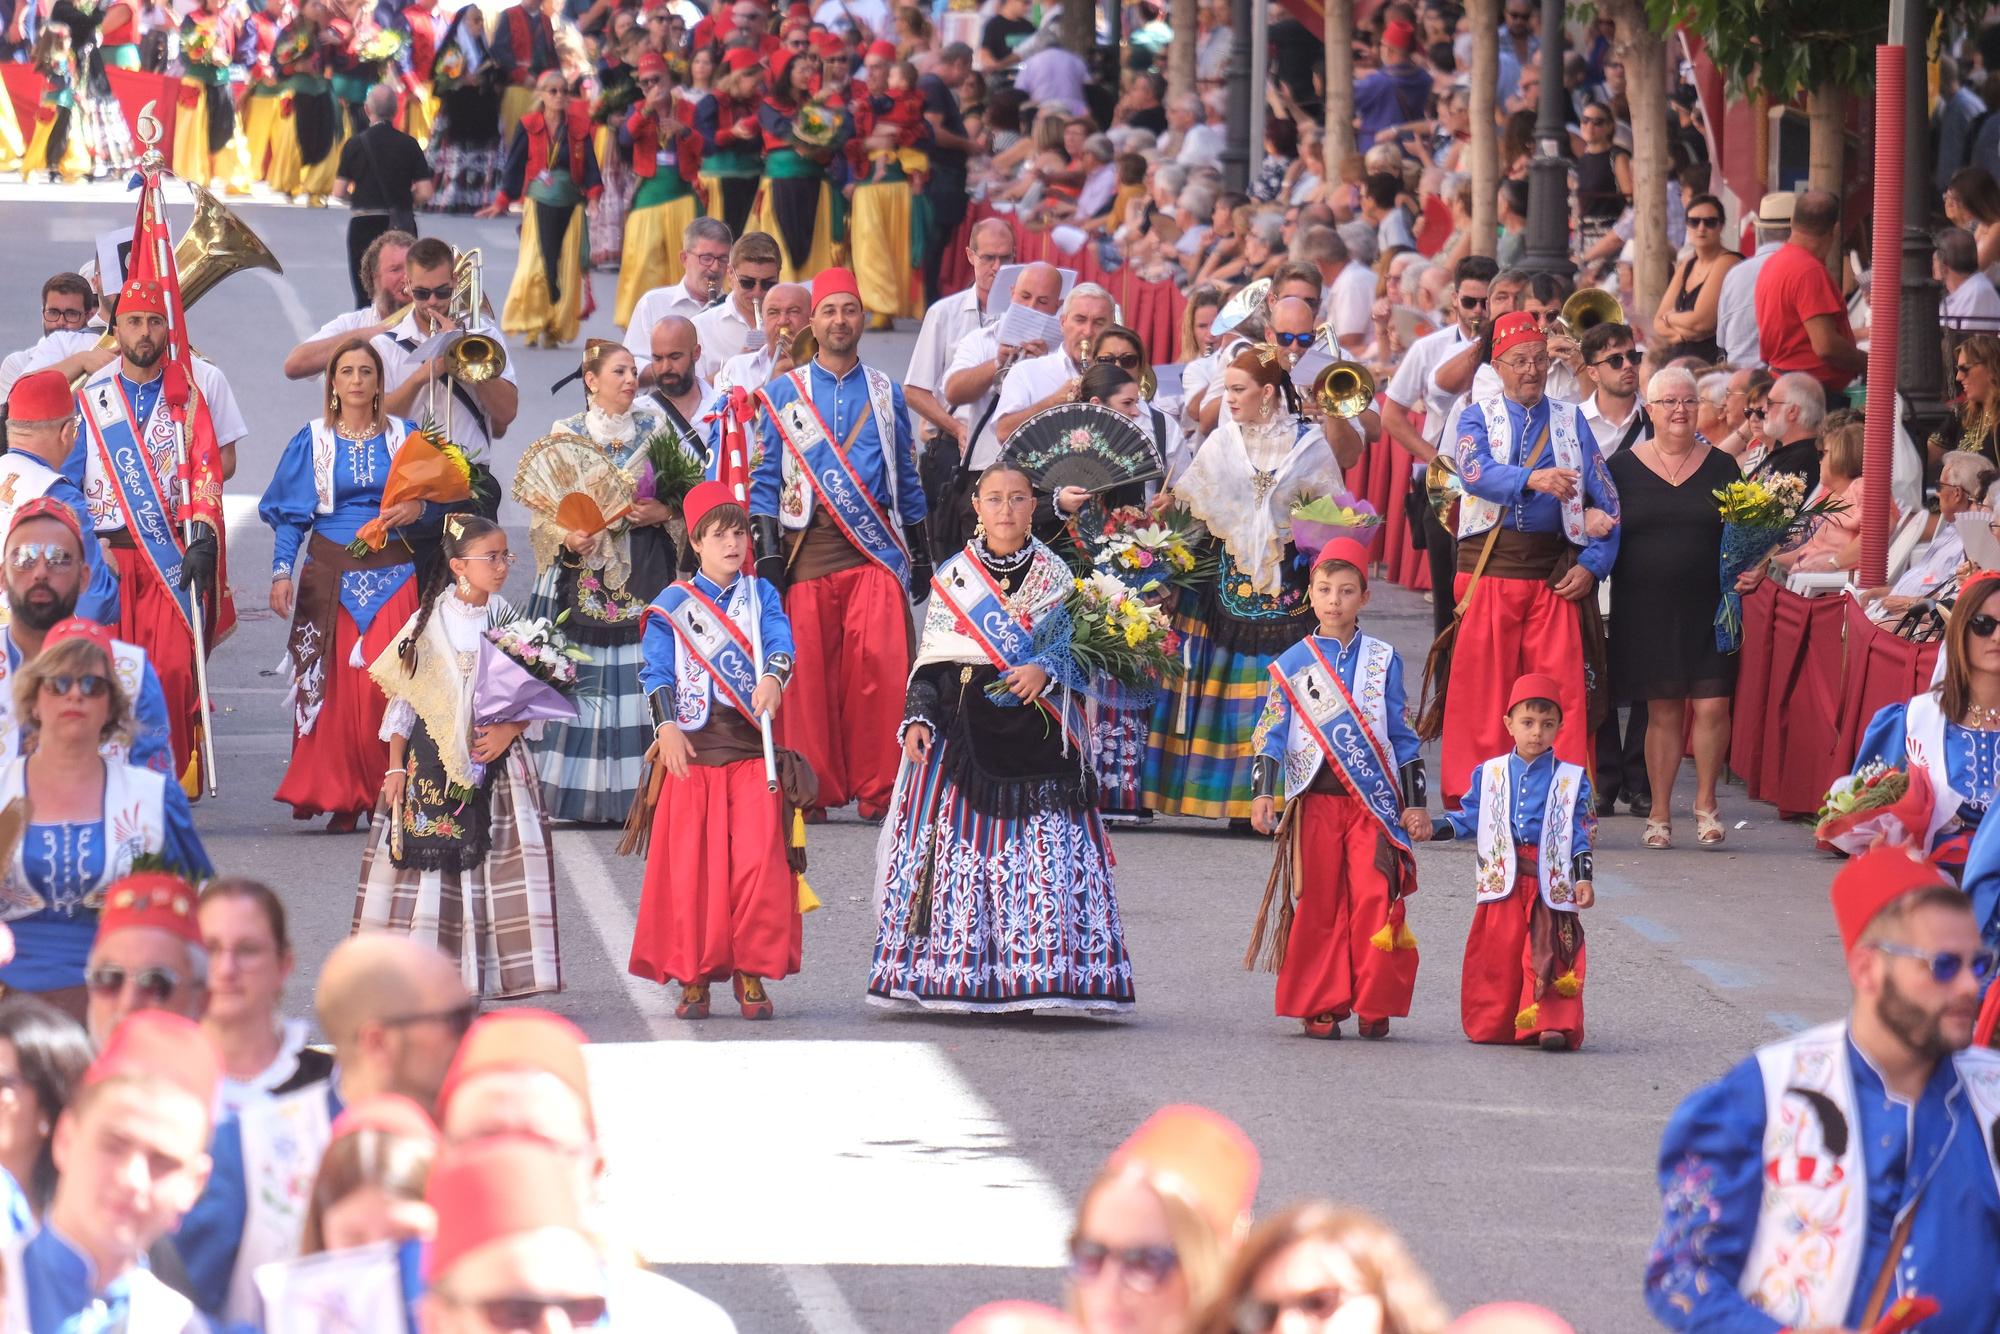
{"x":1945,"y":965}
{"x":1617,"y":361}
{"x":756,"y":284}
{"x":1293,"y":339}
{"x":1982,"y":625}
{"x":1474,"y":302}
{"x":430,"y":293}
{"x":1595,"y":120}
{"x":29,"y":554}
{"x":525,"y":1313}
{"x":1705,"y":220}
{"x":1123,"y":360}
{"x":156,"y":985}
{"x":91,"y":684}
{"x":1757,"y":413}
{"x":1254,"y":1317}
{"x":653,"y":82}
{"x":1140,"y":1268}
{"x":1959,"y":372}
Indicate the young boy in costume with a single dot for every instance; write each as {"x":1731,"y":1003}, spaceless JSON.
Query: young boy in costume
{"x":1333,"y":734}
{"x":721,"y":897}
{"x":1533,"y":820}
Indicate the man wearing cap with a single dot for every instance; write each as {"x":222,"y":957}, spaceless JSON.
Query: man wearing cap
{"x":838,"y":478}
{"x":42,"y":601}
{"x":1851,"y":1166}
{"x":732,"y":139}
{"x":1736,"y":309}
{"x":522,"y":1073}
{"x":125,"y":459}
{"x":1527,"y":565}
{"x":665,"y":152}
{"x":129,"y":1153}
{"x":1396,"y":92}
{"x":42,"y":429}
{"x":972,"y":386}
{"x":394,"y":1010}
{"x":148,"y":953}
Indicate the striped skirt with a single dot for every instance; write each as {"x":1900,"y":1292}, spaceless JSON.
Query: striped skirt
{"x":1199,"y":751}
{"x":590,"y":769}
{"x":498,"y":920}
{"x":1022,"y":912}
{"x":1118,"y":735}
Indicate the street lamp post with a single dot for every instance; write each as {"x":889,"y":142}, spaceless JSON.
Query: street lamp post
{"x":1236,"y":143}
{"x":1548,"y":175}
{"x":1920,"y":363}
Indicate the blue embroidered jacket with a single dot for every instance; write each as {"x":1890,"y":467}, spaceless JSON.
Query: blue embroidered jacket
{"x":843,"y":402}
{"x":1507,"y":483}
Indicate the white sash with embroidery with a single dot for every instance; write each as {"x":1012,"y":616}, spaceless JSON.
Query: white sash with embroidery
{"x":795,"y":493}
{"x":1923,"y":743}
{"x":1476,"y":515}
{"x":283,"y":1138}
{"x":1497,"y":865}
{"x":1303,"y":755}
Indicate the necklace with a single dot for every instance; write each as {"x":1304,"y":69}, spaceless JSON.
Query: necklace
{"x":1981,"y":718}
{"x":1665,"y":460}
{"x":1001,"y":564}
{"x":341,"y":429}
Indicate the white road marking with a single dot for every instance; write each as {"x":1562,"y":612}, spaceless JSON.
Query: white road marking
{"x":590,"y":876}
{"x":827,"y":1153}
{"x":288,"y":302}
{"x":820,"y":1301}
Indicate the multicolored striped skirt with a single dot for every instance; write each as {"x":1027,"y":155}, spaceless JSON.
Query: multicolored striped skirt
{"x":591,"y":769}
{"x":1199,"y":751}
{"x":1011,"y":913}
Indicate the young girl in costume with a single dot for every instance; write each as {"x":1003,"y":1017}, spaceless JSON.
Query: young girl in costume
{"x":1354,"y":800}
{"x":721,"y":897}
{"x":459,"y":853}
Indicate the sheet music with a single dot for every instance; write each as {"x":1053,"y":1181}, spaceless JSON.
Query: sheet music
{"x":1025,"y":324}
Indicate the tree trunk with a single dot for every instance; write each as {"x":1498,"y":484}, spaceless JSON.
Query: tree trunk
{"x":1079,"y":26}
{"x":1339,"y":143}
{"x":1186,"y":20}
{"x":1485,"y":145}
{"x":1644,"y":55}
{"x":1826,"y":148}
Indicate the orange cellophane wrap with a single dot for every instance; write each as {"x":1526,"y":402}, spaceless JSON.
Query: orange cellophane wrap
{"x":421,"y":470}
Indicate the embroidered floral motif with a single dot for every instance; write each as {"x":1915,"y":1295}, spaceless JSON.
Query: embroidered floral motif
{"x":1268,"y":720}
{"x":1679,"y":1263}
{"x":597,"y":603}
{"x":363,"y":591}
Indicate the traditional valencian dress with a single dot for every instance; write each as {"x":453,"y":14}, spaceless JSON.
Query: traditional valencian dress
{"x":590,"y":769}
{"x":1798,"y":1183}
{"x":1532,"y":822}
{"x":325,"y":487}
{"x":475,"y":874}
{"x":1334,"y":740}
{"x":995,"y":872}
{"x":1243,"y":486}
{"x":1964,"y":768}
{"x":720,"y":895}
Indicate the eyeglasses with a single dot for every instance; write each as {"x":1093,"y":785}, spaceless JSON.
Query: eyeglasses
{"x":554,"y":92}
{"x":1547,"y":318}
{"x":1140,"y":1268}
{"x":1123,"y":360}
{"x":1522,"y":365}
{"x":91,"y":684}
{"x":1617,"y":361}
{"x":1474,"y":302}
{"x":1945,"y":965}
{"x":156,"y":985}
{"x":1982,"y":625}
{"x":512,"y":1314}
{"x":430,"y":293}
{"x":1958,"y":372}
{"x":1677,"y":404}
{"x":1521,"y":15}
{"x":458,"y":1018}
{"x":50,"y":315}
{"x":1294,"y":339}
{"x":30,"y":554}
{"x":750,"y":284}
{"x":1704,"y":220}
{"x":1254,"y":1317}
{"x":978,"y":258}
{"x":506,"y":558}
{"x":799,"y":45}
{"x":1600,"y":121}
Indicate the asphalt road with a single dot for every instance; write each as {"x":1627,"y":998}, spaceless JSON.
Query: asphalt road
{"x":843,"y":1169}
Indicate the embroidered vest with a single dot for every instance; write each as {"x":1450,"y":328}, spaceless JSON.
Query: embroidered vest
{"x":795,"y":493}
{"x":1924,"y":743}
{"x":694,"y":691}
{"x":1476,"y":515}
{"x":134,"y":825}
{"x":128,"y":663}
{"x":326,"y":443}
{"x":1303,"y":757}
{"x":283,"y":1138}
{"x":1804,"y":1260}
{"x":23,"y":478}
{"x":577,"y":130}
{"x":1497,"y":865}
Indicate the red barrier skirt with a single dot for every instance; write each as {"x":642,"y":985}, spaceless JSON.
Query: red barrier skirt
{"x":1881,"y":669}
{"x":1753,"y":677}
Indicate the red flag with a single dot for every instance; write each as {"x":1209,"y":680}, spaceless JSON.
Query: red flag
{"x":737,"y":411}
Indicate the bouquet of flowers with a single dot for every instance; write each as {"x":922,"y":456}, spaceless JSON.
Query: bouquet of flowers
{"x":1103,"y":630}
{"x":198,"y":47}
{"x":1318,"y":522}
{"x":1150,"y":553}
{"x":1757,"y":514}
{"x":614,"y":102}
{"x":665,"y":471}
{"x":378,"y":45}
{"x":813,"y":131}
{"x":526,"y":673}
{"x":426,"y":467}
{"x":1876,"y":802}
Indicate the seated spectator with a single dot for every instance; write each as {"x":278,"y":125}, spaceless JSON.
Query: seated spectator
{"x":1189,"y":141}
{"x":1281,"y":151}
{"x":1513,"y":243}
{"x":1970,"y":301}
{"x":1091,"y":209}
{"x":1713,"y":390}
{"x":1836,"y":543}
{"x":1976,"y":424}
{"x":1972,"y":201}
{"x":1962,"y":481}
{"x":1143,"y":105}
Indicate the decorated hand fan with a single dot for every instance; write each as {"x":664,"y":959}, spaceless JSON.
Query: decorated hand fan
{"x":1083,"y":444}
{"x":573,"y":483}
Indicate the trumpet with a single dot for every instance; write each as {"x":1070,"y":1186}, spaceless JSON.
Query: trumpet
{"x":1443,"y":488}
{"x":1344,"y":389}
{"x":801,"y":347}
{"x":1587,"y":308}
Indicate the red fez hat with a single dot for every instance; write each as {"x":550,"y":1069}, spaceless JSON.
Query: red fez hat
{"x":649,"y":64}
{"x":704,"y":497}
{"x":1399,"y":34}
{"x":825,"y":44}
{"x":46,"y":507}
{"x":520,"y":1040}
{"x":1533,"y":685}
{"x":150,"y":898}
{"x":389,"y":1113}
{"x":157,"y":1044}
{"x":1514,"y":328}
{"x":1200,"y":1157}
{"x":495,"y":1188}
{"x":1345,"y":550}
{"x":1874,"y":880}
{"x":882,"y":49}
{"x":781,"y":64}
{"x":43,"y":396}
{"x":799,"y":11}
{"x":142,"y":295}
{"x":740,"y":58}
{"x":832,"y":282}
{"x":76,"y":627}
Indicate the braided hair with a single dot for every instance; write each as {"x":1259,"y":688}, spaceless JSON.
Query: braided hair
{"x":461,"y":531}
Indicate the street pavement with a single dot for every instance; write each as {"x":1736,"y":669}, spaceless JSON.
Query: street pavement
{"x":846,"y":1169}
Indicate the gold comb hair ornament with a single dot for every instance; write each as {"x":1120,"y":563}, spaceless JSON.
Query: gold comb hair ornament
{"x":1268,"y":354}
{"x":454,"y":525}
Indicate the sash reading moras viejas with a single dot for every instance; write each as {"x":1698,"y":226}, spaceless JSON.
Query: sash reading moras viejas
{"x":129,"y":467}
{"x":981,"y":609}
{"x":714,"y":641}
{"x":833,"y":479}
{"x":1321,"y":704}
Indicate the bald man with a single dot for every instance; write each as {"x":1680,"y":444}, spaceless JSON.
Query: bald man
{"x":787,"y":310}
{"x":1294,"y":330}
{"x":676,"y":385}
{"x":394,"y":1010}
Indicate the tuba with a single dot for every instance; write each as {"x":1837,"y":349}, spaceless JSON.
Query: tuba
{"x":1587,"y":308}
{"x":1344,"y":389}
{"x":216,"y":244}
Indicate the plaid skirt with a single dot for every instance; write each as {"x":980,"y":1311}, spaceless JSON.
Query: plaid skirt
{"x":591,"y":769}
{"x":498,"y":920}
{"x":1199,"y":750}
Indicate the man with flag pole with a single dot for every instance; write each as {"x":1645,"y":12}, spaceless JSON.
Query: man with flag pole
{"x":838,"y":480}
{"x":152,"y":466}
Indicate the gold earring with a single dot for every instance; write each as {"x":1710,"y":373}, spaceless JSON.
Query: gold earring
{"x":464,"y":587}
{"x":979,"y":530}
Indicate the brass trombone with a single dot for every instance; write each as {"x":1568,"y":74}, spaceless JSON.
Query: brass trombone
{"x":1344,"y":389}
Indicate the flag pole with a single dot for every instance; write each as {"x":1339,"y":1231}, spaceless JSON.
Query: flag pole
{"x":738,"y":473}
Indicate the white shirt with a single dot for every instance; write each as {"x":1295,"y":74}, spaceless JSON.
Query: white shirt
{"x":12,"y":368}
{"x":1414,"y":385}
{"x":1736,"y":310}
{"x":834,"y":14}
{"x":1197,"y":377}
{"x":1031,"y":381}
{"x":981,"y":347}
{"x":1099,"y":189}
{"x":1201,"y":146}
{"x":747,"y":370}
{"x":1349,"y":304}
{"x":724,"y":332}
{"x":400,"y":363}
{"x":46,"y":351}
{"x":1610,"y":433}
{"x":653,"y":307}
{"x":947,"y":324}
{"x":1934,"y":564}
{"x":347,"y":323}
{"x":223,"y":413}
{"x":1975,"y":306}
{"x":239,"y":1093}
{"x":1561,"y":386}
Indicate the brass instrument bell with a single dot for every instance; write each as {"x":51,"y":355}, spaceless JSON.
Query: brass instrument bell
{"x":802,"y":346}
{"x":475,"y":358}
{"x":1587,"y":308}
{"x":1344,"y":389}
{"x":1149,"y":383}
{"x":1443,"y":489}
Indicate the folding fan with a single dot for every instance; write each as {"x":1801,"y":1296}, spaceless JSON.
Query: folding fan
{"x":573,"y":483}
{"x":1083,"y":444}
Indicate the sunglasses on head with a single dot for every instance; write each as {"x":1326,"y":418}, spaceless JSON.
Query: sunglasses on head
{"x":1122,"y":360}
{"x":1140,"y":1268}
{"x":750,"y":284}
{"x":1293,"y":339}
{"x":29,"y":554}
{"x":1945,"y":965}
{"x":1704,"y":220}
{"x":156,"y":985}
{"x":91,"y":684}
{"x":1617,"y":361}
